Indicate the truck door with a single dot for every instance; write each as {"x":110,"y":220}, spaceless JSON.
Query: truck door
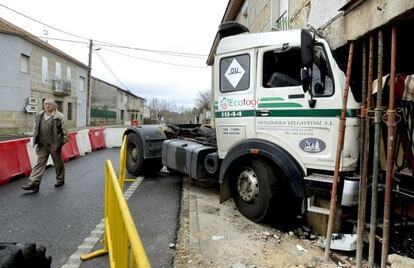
{"x":303,"y":123}
{"x":234,"y":98}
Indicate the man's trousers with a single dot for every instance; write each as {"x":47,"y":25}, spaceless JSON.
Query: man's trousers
{"x":43,"y":152}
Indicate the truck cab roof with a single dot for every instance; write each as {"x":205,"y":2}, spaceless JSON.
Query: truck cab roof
{"x":255,"y":40}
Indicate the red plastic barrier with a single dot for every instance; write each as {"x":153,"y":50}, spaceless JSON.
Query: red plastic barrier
{"x":14,"y":159}
{"x":134,"y":122}
{"x":97,"y":138}
{"x":70,"y":149}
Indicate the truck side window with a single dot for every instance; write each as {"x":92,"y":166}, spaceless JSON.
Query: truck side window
{"x":322,"y":79}
{"x":235,"y":73}
{"x":281,"y":68}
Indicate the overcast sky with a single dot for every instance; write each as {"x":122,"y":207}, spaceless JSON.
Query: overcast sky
{"x":185,"y":26}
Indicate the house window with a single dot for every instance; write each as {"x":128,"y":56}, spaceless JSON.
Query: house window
{"x":68,"y":74}
{"x":25,"y":63}
{"x":121,"y":97}
{"x":69,"y":111}
{"x":58,"y":74}
{"x":45,"y":75}
{"x":59,"y":106}
{"x":81,"y":83}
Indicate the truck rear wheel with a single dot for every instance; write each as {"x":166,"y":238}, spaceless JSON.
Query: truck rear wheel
{"x":135,"y":154}
{"x":254,"y":187}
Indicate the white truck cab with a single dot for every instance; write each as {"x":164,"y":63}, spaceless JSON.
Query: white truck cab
{"x":259,"y":94}
{"x":272,"y":106}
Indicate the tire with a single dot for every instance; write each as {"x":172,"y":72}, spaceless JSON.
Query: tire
{"x":254,"y":188}
{"x":134,"y":154}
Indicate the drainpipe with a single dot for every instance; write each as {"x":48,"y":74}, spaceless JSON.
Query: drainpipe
{"x":339,"y":147}
{"x":377,"y":122}
{"x":391,"y":125}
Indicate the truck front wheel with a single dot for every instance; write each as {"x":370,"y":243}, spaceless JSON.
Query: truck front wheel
{"x":135,"y":154}
{"x":254,"y":186}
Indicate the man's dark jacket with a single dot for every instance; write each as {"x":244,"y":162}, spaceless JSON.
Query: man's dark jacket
{"x":60,"y":130}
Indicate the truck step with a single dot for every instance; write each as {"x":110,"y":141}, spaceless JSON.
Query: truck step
{"x":316,"y":209}
{"x":319,"y":178}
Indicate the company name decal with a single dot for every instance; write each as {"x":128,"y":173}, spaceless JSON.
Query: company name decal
{"x":312,"y":145}
{"x":233,"y":103}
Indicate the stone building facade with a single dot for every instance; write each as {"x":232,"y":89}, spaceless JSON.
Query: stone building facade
{"x":111,"y":105}
{"x":341,"y":20}
{"x":33,"y":70}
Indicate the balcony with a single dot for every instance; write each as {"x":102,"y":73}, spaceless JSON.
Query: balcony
{"x":61,"y":87}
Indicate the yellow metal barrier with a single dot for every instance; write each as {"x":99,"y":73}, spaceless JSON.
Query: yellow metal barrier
{"x":120,"y":230}
{"x":122,"y":163}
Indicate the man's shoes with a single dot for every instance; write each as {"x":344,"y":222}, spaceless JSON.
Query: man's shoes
{"x":31,"y":187}
{"x":59,"y":183}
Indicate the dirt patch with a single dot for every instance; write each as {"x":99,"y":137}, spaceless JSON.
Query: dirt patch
{"x":217,"y":235}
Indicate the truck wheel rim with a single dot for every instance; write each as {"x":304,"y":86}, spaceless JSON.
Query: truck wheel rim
{"x":248,"y":185}
{"x":133,"y":151}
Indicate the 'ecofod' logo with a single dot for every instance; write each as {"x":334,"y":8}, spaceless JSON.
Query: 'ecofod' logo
{"x":228,"y":103}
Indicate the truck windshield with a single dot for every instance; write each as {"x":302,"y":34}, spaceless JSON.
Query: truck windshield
{"x":281,"y":68}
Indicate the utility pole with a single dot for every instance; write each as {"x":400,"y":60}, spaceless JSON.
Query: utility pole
{"x":88,"y":86}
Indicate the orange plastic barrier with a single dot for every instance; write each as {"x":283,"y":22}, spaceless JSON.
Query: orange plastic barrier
{"x":70,"y":149}
{"x":14,"y":159}
{"x":97,"y":138}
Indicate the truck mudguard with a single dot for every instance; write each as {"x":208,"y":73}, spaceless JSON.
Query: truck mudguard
{"x":270,"y":151}
{"x":151,"y":138}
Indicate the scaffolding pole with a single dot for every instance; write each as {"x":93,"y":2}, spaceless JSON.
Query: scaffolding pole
{"x":339,"y":148}
{"x":391,"y":126}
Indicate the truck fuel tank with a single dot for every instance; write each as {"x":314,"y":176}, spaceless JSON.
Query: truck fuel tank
{"x":186,"y":157}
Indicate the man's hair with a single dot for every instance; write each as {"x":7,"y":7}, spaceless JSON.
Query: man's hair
{"x":51,"y":101}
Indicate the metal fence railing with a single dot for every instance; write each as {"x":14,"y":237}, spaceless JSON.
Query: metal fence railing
{"x":121,"y":238}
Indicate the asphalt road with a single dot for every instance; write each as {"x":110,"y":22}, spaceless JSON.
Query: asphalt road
{"x":61,"y":218}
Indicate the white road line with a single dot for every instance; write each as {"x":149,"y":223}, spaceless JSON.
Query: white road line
{"x":74,"y":260}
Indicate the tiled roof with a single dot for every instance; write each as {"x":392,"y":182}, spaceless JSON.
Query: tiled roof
{"x":9,"y":28}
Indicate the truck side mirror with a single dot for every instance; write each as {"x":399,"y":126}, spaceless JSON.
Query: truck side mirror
{"x":306,"y":42}
{"x":305,"y":79}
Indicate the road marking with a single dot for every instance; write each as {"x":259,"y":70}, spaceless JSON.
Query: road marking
{"x":74,"y":260}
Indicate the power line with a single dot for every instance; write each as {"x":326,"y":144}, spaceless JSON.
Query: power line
{"x":63,"y":40}
{"x":127,"y":55}
{"x":109,"y":69}
{"x":156,"y":61}
{"x":173,"y":53}
{"x":38,"y":21}
{"x":169,"y":53}
{"x":103,"y":43}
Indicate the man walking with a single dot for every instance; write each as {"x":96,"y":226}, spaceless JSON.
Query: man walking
{"x":49,"y":134}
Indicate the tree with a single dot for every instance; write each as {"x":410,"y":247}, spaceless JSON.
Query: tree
{"x":204,"y":100}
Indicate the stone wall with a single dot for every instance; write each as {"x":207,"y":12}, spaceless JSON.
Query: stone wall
{"x":339,"y":27}
{"x":13,"y":122}
{"x":259,"y":15}
{"x":299,"y":13}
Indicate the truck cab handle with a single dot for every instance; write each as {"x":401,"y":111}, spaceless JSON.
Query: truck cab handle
{"x":263,"y":113}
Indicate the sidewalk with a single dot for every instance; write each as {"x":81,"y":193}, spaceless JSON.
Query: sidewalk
{"x":217,"y":235}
